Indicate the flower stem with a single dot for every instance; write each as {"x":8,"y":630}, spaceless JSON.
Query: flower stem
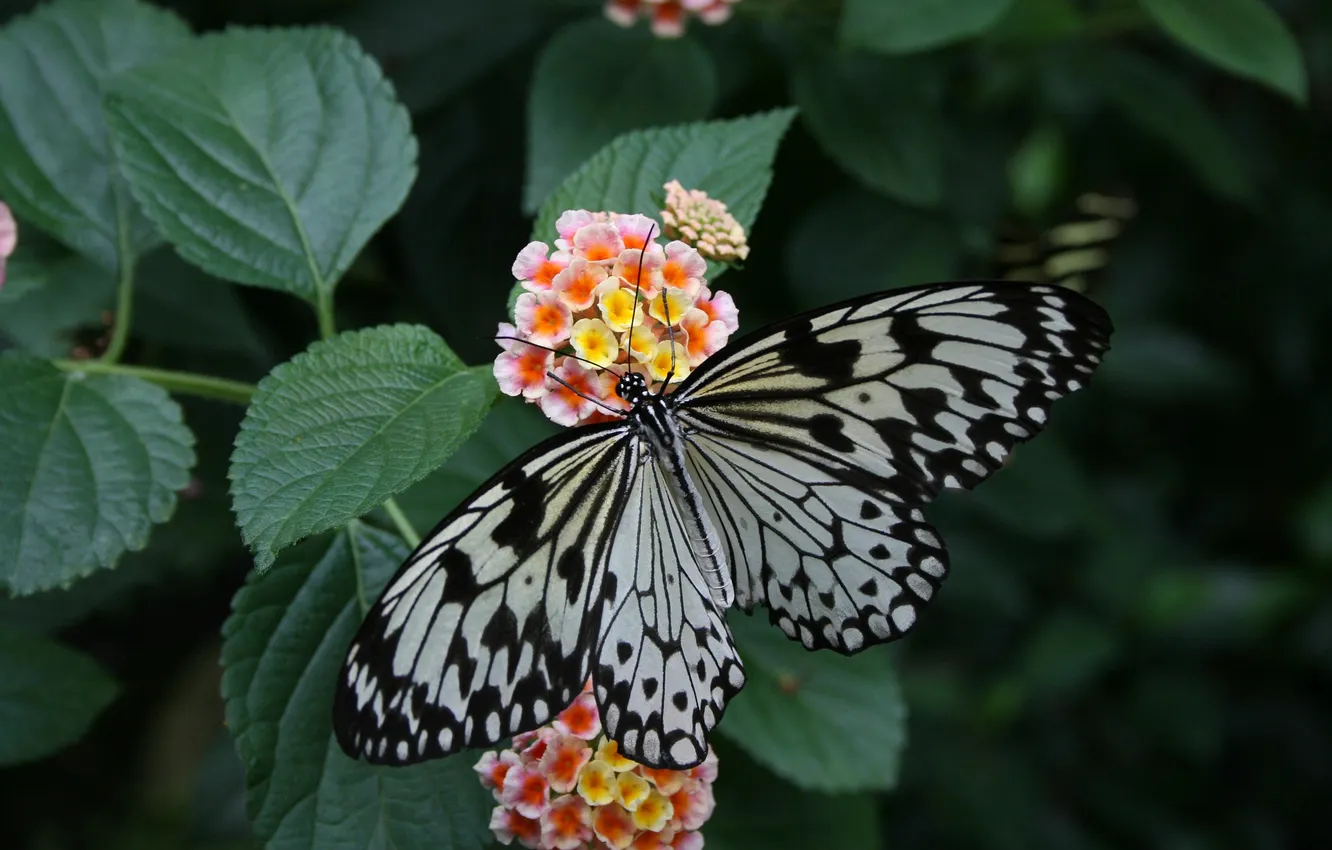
{"x":190,"y":383}
{"x":324,"y":310}
{"x":403,"y":524}
{"x":120,"y":322}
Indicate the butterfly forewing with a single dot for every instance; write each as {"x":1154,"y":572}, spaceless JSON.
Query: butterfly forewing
{"x":816,"y":440}
{"x":490,"y":626}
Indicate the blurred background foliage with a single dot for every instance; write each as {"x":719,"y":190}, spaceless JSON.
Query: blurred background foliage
{"x":1135,"y":646}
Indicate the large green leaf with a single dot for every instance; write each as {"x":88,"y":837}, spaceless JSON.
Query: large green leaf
{"x":822,"y":721}
{"x":730,"y":160}
{"x":1164,"y":106}
{"x":874,"y":119}
{"x":49,"y":696}
{"x":348,"y":423}
{"x":89,"y":463}
{"x":594,"y":81}
{"x":59,"y":173}
{"x":284,"y":646}
{"x":906,"y":26}
{"x":268,"y":157}
{"x":1243,"y":36}
{"x":49,"y":292}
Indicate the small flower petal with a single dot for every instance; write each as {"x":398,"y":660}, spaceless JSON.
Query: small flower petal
{"x":576,"y":285}
{"x":666,"y":781}
{"x":522,"y":370}
{"x":596,"y":784}
{"x":565,"y":756}
{"x":598,"y":243}
{"x":564,"y":825}
{"x":653,"y":812}
{"x":563,"y":405}
{"x":543,"y":318}
{"x":526,"y":791}
{"x":570,"y":221}
{"x":631,"y":790}
{"x":505,"y":335}
{"x":684,"y":267}
{"x":593,"y":341}
{"x":617,"y":305}
{"x":508,"y":825}
{"x":609,"y":752}
{"x":641,"y":269}
{"x":581,"y":717}
{"x":636,"y":229}
{"x":641,"y":344}
{"x":613,"y":825}
{"x":669,"y":359}
{"x":676,"y":302}
{"x":720,"y":308}
{"x":535,"y":270}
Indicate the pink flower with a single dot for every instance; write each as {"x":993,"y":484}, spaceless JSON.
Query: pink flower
{"x":703,"y":338}
{"x":526,"y":791}
{"x":563,"y":760}
{"x":641,"y":268}
{"x":598,"y":242}
{"x":564,"y":825}
{"x":493,"y":767}
{"x":720,"y":308}
{"x":580,"y":718}
{"x":522,"y":370}
{"x":570,"y":221}
{"x":508,"y":825}
{"x":567,"y":405}
{"x":543,"y":318}
{"x":535,"y":270}
{"x":576,"y":285}
{"x":684,"y":267}
{"x":635,"y":230}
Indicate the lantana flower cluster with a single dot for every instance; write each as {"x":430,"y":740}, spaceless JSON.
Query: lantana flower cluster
{"x":608,"y":299}
{"x":668,"y":17}
{"x":566,"y":787}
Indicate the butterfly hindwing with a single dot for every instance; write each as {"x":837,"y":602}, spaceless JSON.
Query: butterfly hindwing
{"x":489,"y":627}
{"x":666,"y":665}
{"x":817,"y":439}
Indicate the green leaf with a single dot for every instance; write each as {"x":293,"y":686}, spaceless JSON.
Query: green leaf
{"x":345,"y":425}
{"x":511,"y":428}
{"x":1165,"y":106}
{"x":1244,"y":37}
{"x":283,"y":649}
{"x":880,"y":246}
{"x":756,"y":809}
{"x":730,"y":160}
{"x":50,"y":292}
{"x":821,"y":720}
{"x":49,"y":696}
{"x":594,"y":81}
{"x":59,"y":172}
{"x":1036,"y":21}
{"x":873,"y":117}
{"x":267,"y":157}
{"x":907,"y":26}
{"x":89,"y":463}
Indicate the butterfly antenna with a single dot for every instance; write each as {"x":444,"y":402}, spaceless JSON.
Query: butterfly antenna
{"x":552,"y":351}
{"x":670,"y":336}
{"x":638,"y":288}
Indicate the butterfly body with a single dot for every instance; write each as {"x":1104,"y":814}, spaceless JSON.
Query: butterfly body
{"x":788,"y":470}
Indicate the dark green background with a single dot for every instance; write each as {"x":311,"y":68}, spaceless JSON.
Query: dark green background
{"x":1135,"y":646}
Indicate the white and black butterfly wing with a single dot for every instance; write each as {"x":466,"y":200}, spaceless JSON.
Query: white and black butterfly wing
{"x":816,"y":440}
{"x":490,"y":627}
{"x":666,"y":664}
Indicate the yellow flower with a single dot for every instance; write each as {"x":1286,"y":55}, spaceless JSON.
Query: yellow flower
{"x":653,"y":812}
{"x":677,"y":300}
{"x":631,"y":790}
{"x":597,"y":783}
{"x":609,"y":752}
{"x":642,"y":343}
{"x":593,"y":341}
{"x":662,"y":359}
{"x":617,"y":305}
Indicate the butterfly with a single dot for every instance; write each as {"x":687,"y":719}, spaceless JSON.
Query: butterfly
{"x":788,"y":470}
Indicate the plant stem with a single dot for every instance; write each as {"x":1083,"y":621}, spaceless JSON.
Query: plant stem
{"x":324,"y":310}
{"x":403,"y":524}
{"x":189,"y":383}
{"x":120,"y":322}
